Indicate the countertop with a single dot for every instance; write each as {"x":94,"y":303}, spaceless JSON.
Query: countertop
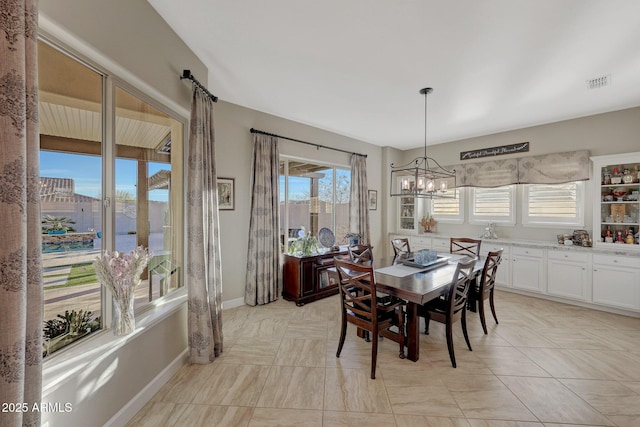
{"x":614,"y":249}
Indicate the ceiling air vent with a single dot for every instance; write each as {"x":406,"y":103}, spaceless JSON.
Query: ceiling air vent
{"x":598,"y":82}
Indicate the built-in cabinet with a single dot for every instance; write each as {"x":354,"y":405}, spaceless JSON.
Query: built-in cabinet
{"x":503,"y":275}
{"x":410,"y":209}
{"x":569,"y":274}
{"x":600,"y":279}
{"x":528,"y":269}
{"x":616,"y":281}
{"x":616,"y":193}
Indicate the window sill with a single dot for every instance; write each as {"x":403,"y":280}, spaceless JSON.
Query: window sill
{"x":90,"y":351}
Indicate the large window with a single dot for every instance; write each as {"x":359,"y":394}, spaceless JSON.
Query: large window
{"x":313,"y":196}
{"x":548,"y":205}
{"x":495,"y":205}
{"x":449,"y":210}
{"x":77,"y":154}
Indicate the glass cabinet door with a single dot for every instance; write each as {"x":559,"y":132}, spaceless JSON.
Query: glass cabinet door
{"x":617,"y":187}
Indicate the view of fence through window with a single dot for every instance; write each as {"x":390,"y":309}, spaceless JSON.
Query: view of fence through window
{"x":314,"y":197}
{"x":72,"y":180}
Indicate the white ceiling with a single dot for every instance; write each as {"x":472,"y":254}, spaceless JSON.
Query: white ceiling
{"x":355,"y":67}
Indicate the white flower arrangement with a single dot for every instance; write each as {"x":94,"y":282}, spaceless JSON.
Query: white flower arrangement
{"x":120,"y":273}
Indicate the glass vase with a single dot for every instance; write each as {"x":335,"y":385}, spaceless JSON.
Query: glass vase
{"x":124,"y":321}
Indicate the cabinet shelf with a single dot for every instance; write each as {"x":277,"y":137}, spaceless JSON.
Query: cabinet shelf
{"x":606,"y":211}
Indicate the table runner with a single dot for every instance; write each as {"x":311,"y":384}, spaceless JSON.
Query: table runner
{"x":399,"y":270}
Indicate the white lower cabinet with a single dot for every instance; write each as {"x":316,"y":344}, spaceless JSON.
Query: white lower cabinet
{"x":616,"y":281}
{"x":440,"y":245}
{"x":569,"y":274}
{"x":503,"y":277}
{"x":528,"y":269}
{"x":419,"y":243}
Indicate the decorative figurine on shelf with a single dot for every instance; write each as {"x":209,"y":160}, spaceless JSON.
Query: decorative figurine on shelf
{"x":619,"y":239}
{"x":629,"y":240}
{"x":428,"y":223}
{"x":489,"y":232}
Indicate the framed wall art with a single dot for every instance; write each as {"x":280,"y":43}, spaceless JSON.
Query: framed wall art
{"x":373,"y":200}
{"x":226,"y":194}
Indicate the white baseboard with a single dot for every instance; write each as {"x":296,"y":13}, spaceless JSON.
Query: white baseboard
{"x":233,"y":303}
{"x":128,"y":411}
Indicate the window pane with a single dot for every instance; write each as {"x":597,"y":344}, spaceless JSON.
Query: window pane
{"x":70,"y":111}
{"x":317,"y":196}
{"x":148,"y":197}
{"x":449,"y":210}
{"x":492,"y":204}
{"x":549,"y":204}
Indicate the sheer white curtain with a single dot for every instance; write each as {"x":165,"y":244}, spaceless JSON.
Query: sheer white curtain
{"x":21,"y":293}
{"x":204,"y":272}
{"x":263,"y":280}
{"x":358,"y":204}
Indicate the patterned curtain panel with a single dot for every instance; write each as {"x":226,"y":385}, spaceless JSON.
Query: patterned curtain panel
{"x":204,"y":273}
{"x":358,"y":206}
{"x":263,"y":280}
{"x":493,"y":173}
{"x":554,"y":168}
{"x":21,"y":292}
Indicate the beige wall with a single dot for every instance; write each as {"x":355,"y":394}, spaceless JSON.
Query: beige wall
{"x":233,"y":160}
{"x":609,"y":133}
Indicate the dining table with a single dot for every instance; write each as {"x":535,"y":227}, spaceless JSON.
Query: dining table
{"x":417,"y":286}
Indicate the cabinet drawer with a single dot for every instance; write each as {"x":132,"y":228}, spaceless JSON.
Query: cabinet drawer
{"x":422,"y":242}
{"x":613,"y":260}
{"x":486,"y":247}
{"x":533,"y":252}
{"x":441,"y":245}
{"x":569,"y":256}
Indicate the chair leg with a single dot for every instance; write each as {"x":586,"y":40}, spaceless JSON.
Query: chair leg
{"x":452,"y":355}
{"x":464,"y":329}
{"x":493,"y":308}
{"x":483,"y":321}
{"x":401,"y":332}
{"x":426,"y":324}
{"x":343,"y":334}
{"x":374,"y":355}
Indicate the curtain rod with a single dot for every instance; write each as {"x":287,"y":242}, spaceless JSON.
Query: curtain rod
{"x":318,"y":146}
{"x":186,"y":74}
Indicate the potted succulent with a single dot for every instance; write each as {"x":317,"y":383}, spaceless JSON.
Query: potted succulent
{"x":57,"y":224}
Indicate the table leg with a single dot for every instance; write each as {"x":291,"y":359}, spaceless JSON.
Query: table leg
{"x":413,"y":332}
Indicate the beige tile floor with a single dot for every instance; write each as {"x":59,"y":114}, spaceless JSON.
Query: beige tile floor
{"x":545,"y":364}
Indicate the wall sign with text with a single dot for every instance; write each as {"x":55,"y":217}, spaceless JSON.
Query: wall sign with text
{"x":495,"y":151}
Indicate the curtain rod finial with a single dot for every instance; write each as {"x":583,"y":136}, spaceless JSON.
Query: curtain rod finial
{"x":186,"y":74}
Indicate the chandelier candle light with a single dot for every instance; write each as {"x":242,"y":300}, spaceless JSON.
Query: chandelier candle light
{"x":423,"y":177}
{"x":120,"y":273}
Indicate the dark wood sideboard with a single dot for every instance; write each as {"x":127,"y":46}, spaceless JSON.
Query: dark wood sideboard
{"x":306,"y":278}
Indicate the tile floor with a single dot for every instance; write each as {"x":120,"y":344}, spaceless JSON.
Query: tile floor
{"x":545,"y":364}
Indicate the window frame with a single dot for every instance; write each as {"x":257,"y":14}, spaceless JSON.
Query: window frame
{"x":156,"y":307}
{"x":451,"y":219}
{"x":555,"y":222}
{"x":285,"y":190}
{"x":506,"y":220}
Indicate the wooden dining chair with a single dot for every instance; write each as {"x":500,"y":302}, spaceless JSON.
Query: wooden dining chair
{"x":360,"y":253}
{"x":483,"y":287}
{"x":400,"y":247}
{"x":465,"y":246}
{"x":452,"y":307}
{"x":360,"y":306}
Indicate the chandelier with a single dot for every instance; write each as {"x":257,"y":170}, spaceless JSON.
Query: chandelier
{"x":423,"y":177}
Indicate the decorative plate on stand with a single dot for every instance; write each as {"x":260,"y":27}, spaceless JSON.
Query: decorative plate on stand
{"x":326,"y":237}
